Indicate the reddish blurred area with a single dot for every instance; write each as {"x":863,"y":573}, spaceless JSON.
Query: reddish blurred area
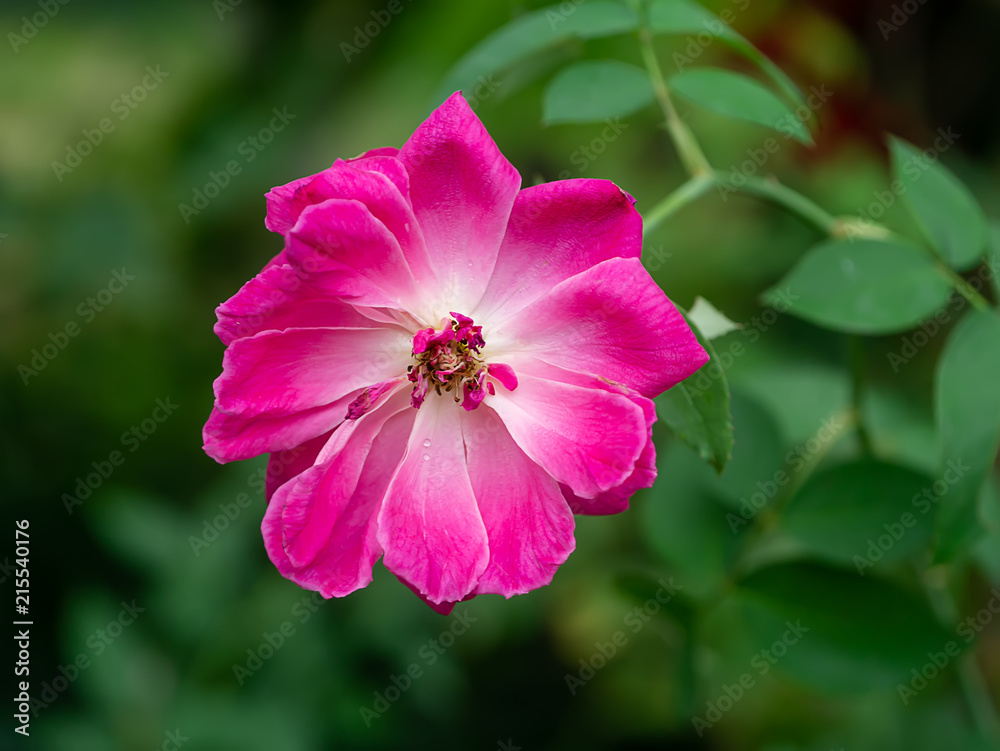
{"x":927,"y":64}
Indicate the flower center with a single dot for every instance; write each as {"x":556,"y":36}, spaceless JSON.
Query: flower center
{"x":449,"y":360}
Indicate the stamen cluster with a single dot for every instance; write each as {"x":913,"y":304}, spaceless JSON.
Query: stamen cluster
{"x":449,"y":361}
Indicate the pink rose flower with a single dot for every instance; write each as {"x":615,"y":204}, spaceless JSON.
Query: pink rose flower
{"x":444,"y":367}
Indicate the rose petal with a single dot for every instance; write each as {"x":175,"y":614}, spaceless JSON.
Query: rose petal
{"x":343,"y":562}
{"x":282,"y":207}
{"x":462,"y":189}
{"x":314,"y":501}
{"x":429,"y":524}
{"x":588,"y":439}
{"x":558,"y":230}
{"x":345,"y":251}
{"x":278,"y":298}
{"x":616,"y":499}
{"x":612,"y":321}
{"x":373,"y":154}
{"x":528,"y":521}
{"x":230,"y":438}
{"x":282,"y":466}
{"x":382,"y":185}
{"x":278,"y":373}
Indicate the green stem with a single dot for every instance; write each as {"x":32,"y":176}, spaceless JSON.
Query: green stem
{"x":698,"y":167}
{"x":858,"y":378}
{"x":703,"y":176}
{"x":767,"y":519}
{"x":970,"y":677}
{"x":787,"y":198}
{"x":687,"y":146}
{"x":850,"y":418}
{"x":964,"y":288}
{"x":690,"y":191}
{"x":697,"y":164}
{"x":977,"y":693}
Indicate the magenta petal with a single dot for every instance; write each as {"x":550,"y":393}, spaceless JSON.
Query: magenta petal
{"x":527,"y":519}
{"x":504,"y":374}
{"x":343,"y":561}
{"x":313,"y":502}
{"x":588,"y":439}
{"x":389,"y":168}
{"x":382,"y":151}
{"x":382,"y":185}
{"x":613,"y":321}
{"x":616,"y":499}
{"x":282,"y":466}
{"x":278,"y":298}
{"x":230,"y":438}
{"x":370,"y":398}
{"x":344,"y":250}
{"x":558,"y":230}
{"x":429,"y":524}
{"x":282,"y":207}
{"x":441,"y":608}
{"x":462,"y":189}
{"x":284,"y":204}
{"x":277,"y":373}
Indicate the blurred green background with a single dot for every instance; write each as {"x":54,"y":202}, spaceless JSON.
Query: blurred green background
{"x":153,"y":531}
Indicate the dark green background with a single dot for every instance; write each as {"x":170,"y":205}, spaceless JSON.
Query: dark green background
{"x":504,"y":680}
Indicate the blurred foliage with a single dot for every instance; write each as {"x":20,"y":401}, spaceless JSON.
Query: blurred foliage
{"x":226,"y":653}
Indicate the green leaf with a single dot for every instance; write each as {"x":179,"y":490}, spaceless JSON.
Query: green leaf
{"x":145,"y":532}
{"x":865,"y":512}
{"x":711,"y":322}
{"x":683,"y":524}
{"x":754,"y":475}
{"x":802,"y":395}
{"x":681,"y":17}
{"x":741,"y":97}
{"x":862,"y":287}
{"x":532,"y":33}
{"x":987,"y":550}
{"x":698,"y":410}
{"x":863,"y":633}
{"x":968,"y":415}
{"x":642,"y":586}
{"x":901,"y":430}
{"x":942,"y":206}
{"x":596,"y":90}
{"x":993,"y":259}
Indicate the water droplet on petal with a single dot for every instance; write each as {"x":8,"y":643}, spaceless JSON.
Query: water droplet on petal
{"x":427,"y":457}
{"x":427,"y":443}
